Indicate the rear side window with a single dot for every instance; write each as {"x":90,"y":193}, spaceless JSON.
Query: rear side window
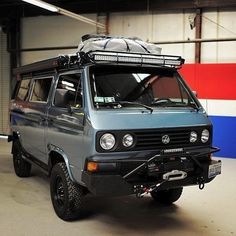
{"x":23,"y":90}
{"x":40,"y":91}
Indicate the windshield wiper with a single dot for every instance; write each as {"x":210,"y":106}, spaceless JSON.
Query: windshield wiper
{"x":123,"y":103}
{"x":161,"y":101}
{"x":168,"y":102}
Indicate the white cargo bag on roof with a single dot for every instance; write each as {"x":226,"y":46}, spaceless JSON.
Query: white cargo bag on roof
{"x":117,"y":44}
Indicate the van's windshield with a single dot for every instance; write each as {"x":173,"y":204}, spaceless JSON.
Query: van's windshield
{"x":122,"y":86}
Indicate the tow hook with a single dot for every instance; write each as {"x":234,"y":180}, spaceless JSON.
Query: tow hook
{"x":201,"y":183}
{"x":141,"y":190}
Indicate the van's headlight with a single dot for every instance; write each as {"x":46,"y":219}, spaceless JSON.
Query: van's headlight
{"x":128,"y":140}
{"x":193,"y":137}
{"x":107,"y":141}
{"x":205,"y":136}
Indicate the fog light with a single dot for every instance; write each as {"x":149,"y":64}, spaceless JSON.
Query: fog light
{"x":193,"y":137}
{"x":128,"y":140}
{"x":92,"y":166}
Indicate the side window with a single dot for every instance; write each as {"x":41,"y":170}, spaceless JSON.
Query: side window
{"x":40,"y":91}
{"x":69,"y":91}
{"x":23,"y":90}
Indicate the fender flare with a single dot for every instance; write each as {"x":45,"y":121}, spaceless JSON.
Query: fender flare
{"x":59,"y":151}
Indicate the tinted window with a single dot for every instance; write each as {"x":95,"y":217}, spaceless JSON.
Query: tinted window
{"x":23,"y":90}
{"x":41,"y":89}
{"x":69,"y":91}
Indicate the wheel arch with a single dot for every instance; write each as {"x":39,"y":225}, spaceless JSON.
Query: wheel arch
{"x":56,"y":155}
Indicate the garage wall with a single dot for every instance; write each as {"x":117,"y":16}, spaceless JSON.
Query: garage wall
{"x":219,"y":24}
{"x":4,"y":84}
{"x":51,"y":31}
{"x":170,"y":26}
{"x":157,"y":26}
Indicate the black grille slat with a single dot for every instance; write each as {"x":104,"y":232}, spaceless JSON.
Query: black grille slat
{"x":149,"y":143}
{"x":147,"y":139}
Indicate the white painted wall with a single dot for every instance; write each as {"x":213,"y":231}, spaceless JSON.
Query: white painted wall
{"x":46,"y":31}
{"x":157,"y":26}
{"x":219,"y":24}
{"x":4,"y":84}
{"x":51,"y":31}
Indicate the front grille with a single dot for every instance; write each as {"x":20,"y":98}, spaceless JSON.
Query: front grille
{"x":152,"y":139}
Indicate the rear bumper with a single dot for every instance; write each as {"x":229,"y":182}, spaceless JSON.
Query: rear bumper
{"x":113,"y":183}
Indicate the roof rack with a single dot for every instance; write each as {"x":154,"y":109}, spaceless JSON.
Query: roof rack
{"x":68,"y":61}
{"x":62,"y":61}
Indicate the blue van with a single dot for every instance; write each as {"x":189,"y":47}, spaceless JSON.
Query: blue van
{"x":110,"y":120}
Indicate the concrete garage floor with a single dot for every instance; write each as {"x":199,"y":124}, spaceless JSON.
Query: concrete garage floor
{"x":26,"y":208}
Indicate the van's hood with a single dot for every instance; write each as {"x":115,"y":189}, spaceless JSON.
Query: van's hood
{"x":144,"y":119}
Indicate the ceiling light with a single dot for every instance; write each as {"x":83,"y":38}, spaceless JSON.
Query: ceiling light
{"x":42,"y":4}
{"x":62,"y":11}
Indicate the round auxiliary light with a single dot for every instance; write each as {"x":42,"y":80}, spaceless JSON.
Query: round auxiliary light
{"x":193,"y":137}
{"x":107,"y":141}
{"x":205,"y":136}
{"x":128,"y":140}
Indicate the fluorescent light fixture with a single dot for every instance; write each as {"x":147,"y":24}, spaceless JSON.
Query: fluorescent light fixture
{"x":42,"y":4}
{"x":3,"y":136}
{"x":62,"y":11}
{"x":68,"y":83}
{"x":69,"y":88}
{"x":80,"y":18}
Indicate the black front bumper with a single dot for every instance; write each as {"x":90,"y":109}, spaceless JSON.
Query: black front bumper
{"x":118,"y":183}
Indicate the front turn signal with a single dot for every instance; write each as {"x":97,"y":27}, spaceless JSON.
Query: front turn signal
{"x":92,"y":166}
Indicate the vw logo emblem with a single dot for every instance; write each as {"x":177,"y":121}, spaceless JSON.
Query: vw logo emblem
{"x":165,"y":139}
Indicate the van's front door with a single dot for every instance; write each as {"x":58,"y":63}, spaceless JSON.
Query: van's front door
{"x":65,"y":132}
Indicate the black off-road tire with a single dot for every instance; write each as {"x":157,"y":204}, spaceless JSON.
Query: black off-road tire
{"x":167,"y":197}
{"x":22,"y":167}
{"x":66,"y":196}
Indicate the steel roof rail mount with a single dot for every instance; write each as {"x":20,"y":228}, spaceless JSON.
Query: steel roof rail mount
{"x":115,"y":118}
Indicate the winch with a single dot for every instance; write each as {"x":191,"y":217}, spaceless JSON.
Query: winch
{"x":141,"y":190}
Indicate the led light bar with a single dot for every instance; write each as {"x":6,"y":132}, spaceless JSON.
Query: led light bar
{"x":164,"y":60}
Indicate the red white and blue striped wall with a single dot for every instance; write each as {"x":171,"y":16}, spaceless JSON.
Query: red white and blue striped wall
{"x":215,"y":85}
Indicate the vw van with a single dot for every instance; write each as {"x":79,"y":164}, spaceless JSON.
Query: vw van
{"x":114,"y":119}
